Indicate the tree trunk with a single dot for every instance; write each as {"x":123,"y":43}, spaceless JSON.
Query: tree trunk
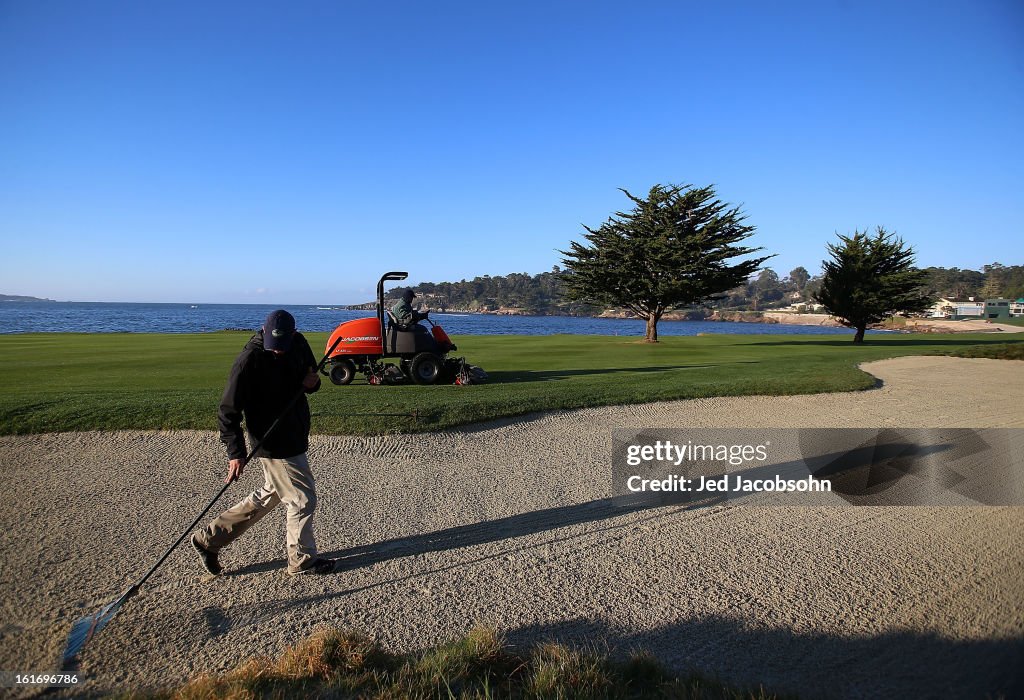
{"x":858,"y":337}
{"x":652,"y":327}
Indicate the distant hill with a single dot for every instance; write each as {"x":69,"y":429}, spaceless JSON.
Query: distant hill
{"x":15,"y":297}
{"x":542,"y":294}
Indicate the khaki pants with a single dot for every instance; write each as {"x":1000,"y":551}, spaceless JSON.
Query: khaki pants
{"x":287,"y":481}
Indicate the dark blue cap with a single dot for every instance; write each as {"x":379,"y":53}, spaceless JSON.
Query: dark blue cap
{"x":278,"y":330}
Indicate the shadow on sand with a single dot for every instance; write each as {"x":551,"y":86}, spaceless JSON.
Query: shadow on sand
{"x":895,"y":664}
{"x":473,"y":534}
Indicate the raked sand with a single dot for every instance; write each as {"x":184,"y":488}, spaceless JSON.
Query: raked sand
{"x":505,"y":524}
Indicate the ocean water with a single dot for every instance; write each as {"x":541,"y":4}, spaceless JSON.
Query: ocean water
{"x":103,"y":317}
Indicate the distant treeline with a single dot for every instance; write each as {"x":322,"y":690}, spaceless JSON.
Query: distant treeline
{"x":541,"y":294}
{"x":992,"y":281}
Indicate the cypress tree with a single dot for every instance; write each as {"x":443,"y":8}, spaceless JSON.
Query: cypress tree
{"x":671,"y":249}
{"x":869,"y":279}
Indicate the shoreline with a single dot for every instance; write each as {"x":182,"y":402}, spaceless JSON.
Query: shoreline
{"x":786,"y":318}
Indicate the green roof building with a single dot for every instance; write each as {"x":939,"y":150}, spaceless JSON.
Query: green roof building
{"x":1017,"y":308}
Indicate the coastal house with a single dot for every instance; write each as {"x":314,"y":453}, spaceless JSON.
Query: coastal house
{"x":804,"y":307}
{"x":956,"y":309}
{"x":1017,"y":308}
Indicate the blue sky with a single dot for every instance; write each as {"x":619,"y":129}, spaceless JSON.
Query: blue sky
{"x":289,"y":153}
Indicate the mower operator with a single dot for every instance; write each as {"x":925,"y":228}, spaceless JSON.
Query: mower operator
{"x":269,"y":379}
{"x":404,"y":314}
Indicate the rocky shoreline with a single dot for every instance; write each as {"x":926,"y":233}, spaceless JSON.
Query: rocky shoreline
{"x":914,"y":325}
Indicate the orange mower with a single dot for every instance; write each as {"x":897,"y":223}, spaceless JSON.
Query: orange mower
{"x":363,"y":345}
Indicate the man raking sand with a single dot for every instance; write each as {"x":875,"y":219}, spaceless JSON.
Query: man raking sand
{"x":263,"y":379}
{"x":273,"y":365}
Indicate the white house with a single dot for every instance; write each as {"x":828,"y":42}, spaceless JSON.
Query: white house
{"x":957,"y":308}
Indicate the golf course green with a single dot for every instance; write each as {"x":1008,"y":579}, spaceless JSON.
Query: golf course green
{"x":74,"y":382}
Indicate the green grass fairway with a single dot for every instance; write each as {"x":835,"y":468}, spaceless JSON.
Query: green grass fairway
{"x":60,"y":382}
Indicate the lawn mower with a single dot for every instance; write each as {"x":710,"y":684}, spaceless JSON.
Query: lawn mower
{"x":362,"y":345}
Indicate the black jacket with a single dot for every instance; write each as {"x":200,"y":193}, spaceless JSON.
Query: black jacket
{"x":260,"y":386}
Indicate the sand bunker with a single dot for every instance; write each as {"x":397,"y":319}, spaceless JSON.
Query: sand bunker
{"x":506,"y":524}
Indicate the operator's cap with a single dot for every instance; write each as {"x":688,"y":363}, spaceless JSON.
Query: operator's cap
{"x":278,"y":330}
{"x":408,"y":294}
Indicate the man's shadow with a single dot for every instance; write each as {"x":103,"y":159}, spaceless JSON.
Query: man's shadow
{"x":488,"y":531}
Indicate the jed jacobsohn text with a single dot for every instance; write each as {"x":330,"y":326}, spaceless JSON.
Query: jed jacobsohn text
{"x":737,"y":484}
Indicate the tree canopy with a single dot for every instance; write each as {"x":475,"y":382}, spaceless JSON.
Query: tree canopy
{"x":869,"y":279}
{"x":799,"y":276}
{"x":671,"y":249}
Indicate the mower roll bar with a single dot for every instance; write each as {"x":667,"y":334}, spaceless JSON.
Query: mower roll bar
{"x":387,"y":277}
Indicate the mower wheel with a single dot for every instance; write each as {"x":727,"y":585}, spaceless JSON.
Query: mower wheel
{"x":425,"y":368}
{"x":343,"y":372}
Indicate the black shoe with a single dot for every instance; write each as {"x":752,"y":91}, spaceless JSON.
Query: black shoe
{"x":319,"y":566}
{"x":208,"y":558}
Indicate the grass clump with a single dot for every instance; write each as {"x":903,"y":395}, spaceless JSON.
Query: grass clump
{"x":558,"y":671}
{"x":338,"y":664}
{"x":328,"y":663}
